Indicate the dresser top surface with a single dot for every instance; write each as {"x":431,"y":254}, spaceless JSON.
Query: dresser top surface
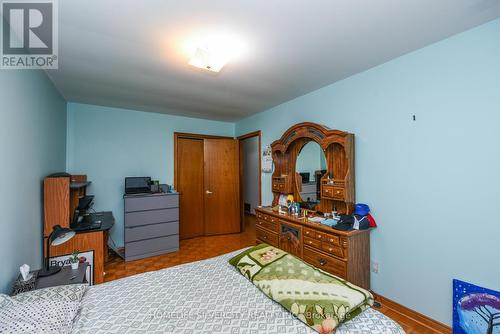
{"x":304,"y":222}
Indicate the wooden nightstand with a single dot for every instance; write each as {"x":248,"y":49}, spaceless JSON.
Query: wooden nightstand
{"x":64,"y":277}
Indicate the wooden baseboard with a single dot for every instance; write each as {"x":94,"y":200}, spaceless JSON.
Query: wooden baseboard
{"x":432,"y":324}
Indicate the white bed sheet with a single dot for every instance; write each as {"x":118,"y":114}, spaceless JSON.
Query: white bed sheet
{"x":202,"y":297}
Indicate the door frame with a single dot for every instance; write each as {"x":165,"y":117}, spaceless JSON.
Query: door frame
{"x":241,"y":138}
{"x":185,"y":135}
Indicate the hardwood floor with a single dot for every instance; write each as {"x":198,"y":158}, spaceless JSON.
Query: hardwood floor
{"x":206,"y":247}
{"x":194,"y":249}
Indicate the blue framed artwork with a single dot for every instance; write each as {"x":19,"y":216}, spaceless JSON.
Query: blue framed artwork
{"x":476,"y":310}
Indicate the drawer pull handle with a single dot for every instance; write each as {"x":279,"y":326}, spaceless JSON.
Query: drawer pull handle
{"x":319,"y":236}
{"x":307,"y":232}
{"x":322,"y":262}
{"x":330,"y":249}
{"x":310,"y":242}
{"x":265,"y":237}
{"x":331,"y":240}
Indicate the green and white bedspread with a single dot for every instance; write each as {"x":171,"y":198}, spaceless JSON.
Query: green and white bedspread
{"x":317,"y":298}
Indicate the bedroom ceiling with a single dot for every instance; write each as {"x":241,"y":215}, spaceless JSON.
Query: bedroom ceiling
{"x":132,"y":54}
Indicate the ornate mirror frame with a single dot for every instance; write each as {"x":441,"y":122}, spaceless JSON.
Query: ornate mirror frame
{"x":337,"y":184}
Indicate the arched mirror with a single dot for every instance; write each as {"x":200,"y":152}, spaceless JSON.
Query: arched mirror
{"x":299,"y":151}
{"x":310,"y":167}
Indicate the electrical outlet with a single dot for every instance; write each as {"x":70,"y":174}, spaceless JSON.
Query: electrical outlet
{"x":374,"y":267}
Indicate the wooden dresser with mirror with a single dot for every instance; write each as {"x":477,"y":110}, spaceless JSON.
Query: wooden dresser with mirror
{"x":316,"y":166}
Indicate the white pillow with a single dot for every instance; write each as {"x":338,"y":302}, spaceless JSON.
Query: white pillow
{"x":5,"y":301}
{"x":65,"y":293}
{"x":50,"y":310}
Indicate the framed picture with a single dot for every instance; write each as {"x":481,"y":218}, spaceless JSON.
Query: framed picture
{"x":267,"y":160}
{"x":476,"y":310}
{"x":88,"y":256}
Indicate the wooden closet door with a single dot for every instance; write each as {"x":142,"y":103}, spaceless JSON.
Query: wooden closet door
{"x":190,"y":186}
{"x":222,"y":186}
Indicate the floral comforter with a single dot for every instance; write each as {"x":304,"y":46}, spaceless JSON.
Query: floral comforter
{"x":317,"y":298}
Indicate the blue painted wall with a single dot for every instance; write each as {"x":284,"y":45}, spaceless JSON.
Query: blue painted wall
{"x":32,"y":145}
{"x":109,"y":144}
{"x":433,"y":184}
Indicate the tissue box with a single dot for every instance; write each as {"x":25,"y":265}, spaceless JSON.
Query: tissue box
{"x":21,"y":286}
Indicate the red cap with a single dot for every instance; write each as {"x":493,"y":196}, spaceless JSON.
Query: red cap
{"x":371,"y":220}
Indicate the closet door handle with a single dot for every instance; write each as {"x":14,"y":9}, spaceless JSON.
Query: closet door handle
{"x":208,"y":192}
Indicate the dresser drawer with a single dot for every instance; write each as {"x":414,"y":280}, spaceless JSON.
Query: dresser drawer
{"x":332,"y":239}
{"x":151,"y":217}
{"x":151,"y":231}
{"x":269,"y":218}
{"x":310,"y":233}
{"x":332,"y":249}
{"x":326,"y":238}
{"x":265,"y":217}
{"x":144,"y":203}
{"x":333,"y":192}
{"x":268,"y":224}
{"x":155,"y":245}
{"x":266,"y":236}
{"x":273,"y":219}
{"x":312,"y":242}
{"x":324,"y":262}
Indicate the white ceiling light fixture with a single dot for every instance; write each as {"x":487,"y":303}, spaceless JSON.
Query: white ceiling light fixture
{"x":208,"y":60}
{"x":212,"y":51}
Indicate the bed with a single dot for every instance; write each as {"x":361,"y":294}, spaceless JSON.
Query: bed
{"x":208,"y":296}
